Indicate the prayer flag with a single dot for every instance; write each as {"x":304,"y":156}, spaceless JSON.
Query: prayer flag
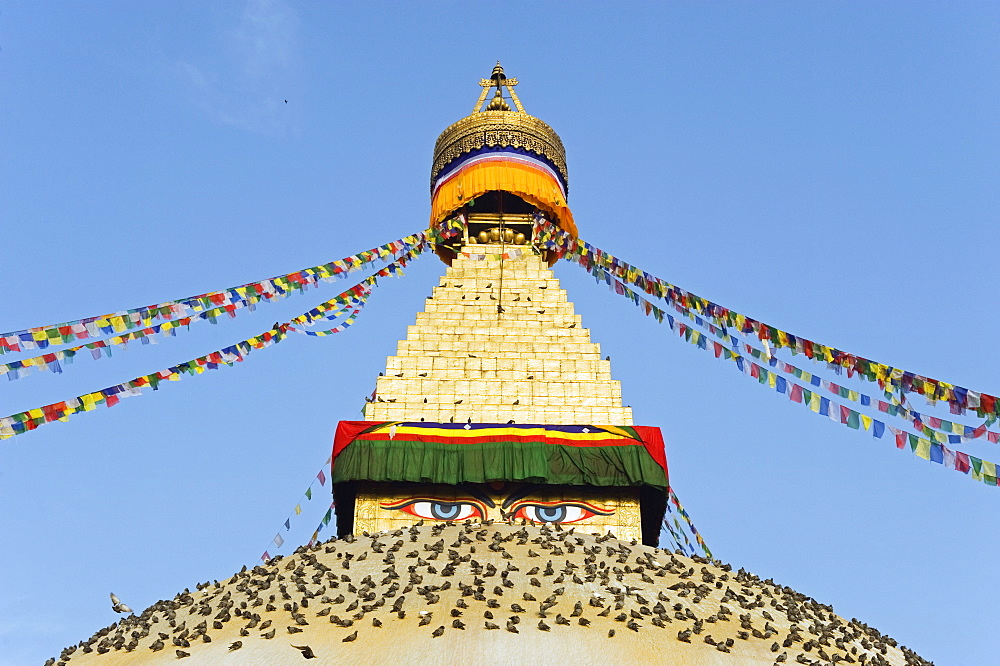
{"x":278,"y":541}
{"x":298,"y":509}
{"x":322,"y":478}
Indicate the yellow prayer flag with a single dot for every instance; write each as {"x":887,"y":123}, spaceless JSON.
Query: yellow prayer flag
{"x":36,"y":413}
{"x":989,"y":469}
{"x":771,"y":378}
{"x":814,"y":402}
{"x":923,"y":448}
{"x":298,"y":509}
{"x":854,"y":395}
{"x":866,"y":421}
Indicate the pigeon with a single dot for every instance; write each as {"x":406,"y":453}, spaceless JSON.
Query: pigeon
{"x":156,"y":645}
{"x":181,"y":654}
{"x":542,"y":625}
{"x":306,"y":651}
{"x":235,"y":645}
{"x":117,"y":605}
{"x":437,"y":632}
{"x":349,"y":638}
{"x":269,"y":635}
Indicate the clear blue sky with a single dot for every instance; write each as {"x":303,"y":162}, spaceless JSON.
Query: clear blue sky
{"x":827,"y":167}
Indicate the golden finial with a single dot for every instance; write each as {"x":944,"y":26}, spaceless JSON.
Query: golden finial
{"x":499,"y":81}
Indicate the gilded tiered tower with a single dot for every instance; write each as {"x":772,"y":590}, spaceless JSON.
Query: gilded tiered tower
{"x":499,"y":357}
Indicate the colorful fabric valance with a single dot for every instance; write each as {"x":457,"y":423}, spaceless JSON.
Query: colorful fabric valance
{"x":519,"y":172}
{"x":453,"y":453}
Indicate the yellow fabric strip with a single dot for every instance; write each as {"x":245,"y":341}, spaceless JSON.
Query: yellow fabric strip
{"x":531,"y":184}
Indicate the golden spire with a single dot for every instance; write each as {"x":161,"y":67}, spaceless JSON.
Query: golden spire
{"x":499,"y":81}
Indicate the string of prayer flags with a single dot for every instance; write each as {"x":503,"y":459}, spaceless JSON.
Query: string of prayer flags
{"x":102,"y":348}
{"x":978,"y":469}
{"x":41,"y":337}
{"x":672,"y":499}
{"x":935,"y":451}
{"x":936,"y":429}
{"x":352,"y":315}
{"x":596,"y":261}
{"x":327,"y":517}
{"x":22,"y":422}
{"x":278,"y":540}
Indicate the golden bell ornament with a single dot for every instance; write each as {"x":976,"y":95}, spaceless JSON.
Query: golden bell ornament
{"x":519,"y":239}
{"x":508,"y":235}
{"x":484,"y":237}
{"x":494,"y":234}
{"x":472,"y":240}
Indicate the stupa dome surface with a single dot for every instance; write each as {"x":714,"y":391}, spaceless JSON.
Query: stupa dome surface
{"x":487,"y":594}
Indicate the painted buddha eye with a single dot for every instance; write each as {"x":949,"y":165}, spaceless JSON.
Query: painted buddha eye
{"x":437,"y":510}
{"x":557,"y":512}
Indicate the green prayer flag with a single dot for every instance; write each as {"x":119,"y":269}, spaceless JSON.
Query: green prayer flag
{"x":309,"y":492}
{"x":853,"y":419}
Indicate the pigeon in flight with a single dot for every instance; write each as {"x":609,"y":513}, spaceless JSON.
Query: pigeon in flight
{"x":117,"y":605}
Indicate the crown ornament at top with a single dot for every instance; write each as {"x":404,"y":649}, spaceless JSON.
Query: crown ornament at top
{"x":497,"y":125}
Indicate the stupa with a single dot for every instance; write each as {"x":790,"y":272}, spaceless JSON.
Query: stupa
{"x":496,"y":504}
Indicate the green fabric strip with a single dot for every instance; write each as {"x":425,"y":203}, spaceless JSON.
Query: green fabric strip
{"x":535,"y":462}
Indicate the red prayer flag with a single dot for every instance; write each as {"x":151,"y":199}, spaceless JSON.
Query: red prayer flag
{"x":962,"y":462}
{"x":322,"y":478}
{"x":796,"y":394}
